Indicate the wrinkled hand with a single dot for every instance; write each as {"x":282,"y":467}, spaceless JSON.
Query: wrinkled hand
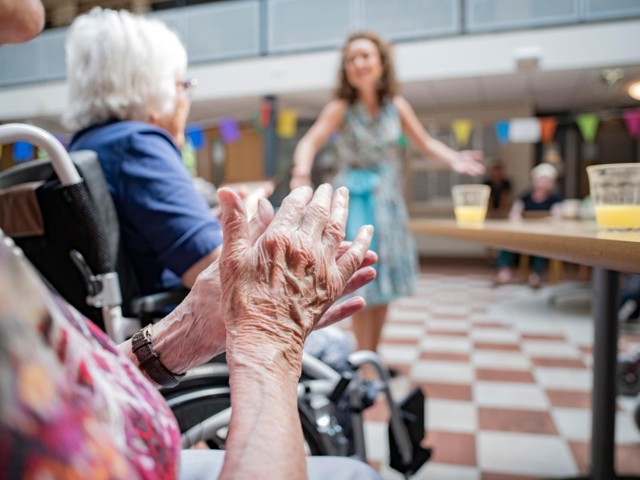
{"x":469,"y":162}
{"x":275,"y":291}
{"x":185,"y":344}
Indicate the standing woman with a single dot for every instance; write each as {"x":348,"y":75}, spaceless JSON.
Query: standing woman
{"x":368,"y":115}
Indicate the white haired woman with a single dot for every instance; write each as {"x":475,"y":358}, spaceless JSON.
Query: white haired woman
{"x":541,"y":199}
{"x":129,"y":102}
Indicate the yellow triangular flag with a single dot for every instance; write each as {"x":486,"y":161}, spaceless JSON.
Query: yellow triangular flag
{"x":287,"y":124}
{"x":462,"y":131}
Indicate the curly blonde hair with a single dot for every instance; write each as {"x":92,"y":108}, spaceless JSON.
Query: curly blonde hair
{"x":387,"y":85}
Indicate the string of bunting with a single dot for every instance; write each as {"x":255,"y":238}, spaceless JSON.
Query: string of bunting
{"x":542,"y":129}
{"x":24,"y":151}
{"x":513,"y":130}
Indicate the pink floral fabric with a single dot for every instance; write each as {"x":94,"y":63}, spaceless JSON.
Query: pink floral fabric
{"x":71,"y":405}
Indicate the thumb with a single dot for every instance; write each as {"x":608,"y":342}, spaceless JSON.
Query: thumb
{"x":235,"y":226}
{"x":260,"y":221}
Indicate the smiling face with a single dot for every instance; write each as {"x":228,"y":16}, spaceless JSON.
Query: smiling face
{"x":366,"y":65}
{"x":362,"y":64}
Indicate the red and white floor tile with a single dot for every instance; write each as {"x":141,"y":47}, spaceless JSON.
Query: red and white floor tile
{"x":507,"y":376}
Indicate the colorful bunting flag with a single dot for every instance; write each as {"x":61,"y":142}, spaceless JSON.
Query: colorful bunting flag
{"x":588,"y":125}
{"x":287,"y":123}
{"x":502,"y":131}
{"x":22,"y":151}
{"x":462,"y":131}
{"x":195,"y":134}
{"x":632,"y":121}
{"x":548,"y":129}
{"x":255,"y":121}
{"x":189,"y":157}
{"x":229,"y":130}
{"x":524,"y":130}
{"x":265,"y":114}
{"x":403,"y":141}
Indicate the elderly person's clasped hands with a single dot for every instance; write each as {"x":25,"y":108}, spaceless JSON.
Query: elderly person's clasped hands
{"x":276,"y":287}
{"x":279,"y":278}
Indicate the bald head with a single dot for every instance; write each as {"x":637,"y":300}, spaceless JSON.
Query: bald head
{"x":20,"y":20}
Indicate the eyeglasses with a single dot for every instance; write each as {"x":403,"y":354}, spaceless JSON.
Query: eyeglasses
{"x":188,"y":85}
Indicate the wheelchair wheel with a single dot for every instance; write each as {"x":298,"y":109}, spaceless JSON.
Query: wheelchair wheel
{"x":195,"y":405}
{"x":202,"y":393}
{"x":312,"y":438}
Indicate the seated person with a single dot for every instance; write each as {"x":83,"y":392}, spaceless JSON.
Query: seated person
{"x":500,"y":198}
{"x":74,"y":405}
{"x":129,"y":102}
{"x":541,"y":199}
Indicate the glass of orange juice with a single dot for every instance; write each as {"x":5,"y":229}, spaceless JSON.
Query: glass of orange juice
{"x":470,"y":203}
{"x":615,"y":190}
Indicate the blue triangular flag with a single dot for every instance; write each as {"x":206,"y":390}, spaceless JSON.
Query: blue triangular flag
{"x":502,"y":131}
{"x":22,"y":151}
{"x":195,"y":133}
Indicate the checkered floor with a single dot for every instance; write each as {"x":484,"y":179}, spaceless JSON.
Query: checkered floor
{"x":507,"y":376}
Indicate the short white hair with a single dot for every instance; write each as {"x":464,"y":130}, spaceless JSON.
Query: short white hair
{"x":121,"y":66}
{"x":544,"y":170}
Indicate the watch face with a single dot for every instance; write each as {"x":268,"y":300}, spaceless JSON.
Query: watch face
{"x":149,"y":361}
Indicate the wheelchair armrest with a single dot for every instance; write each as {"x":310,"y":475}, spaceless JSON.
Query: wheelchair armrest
{"x":157,"y":302}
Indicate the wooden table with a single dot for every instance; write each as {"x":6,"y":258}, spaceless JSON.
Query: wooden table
{"x":576,"y":242}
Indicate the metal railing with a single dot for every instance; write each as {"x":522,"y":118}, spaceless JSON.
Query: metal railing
{"x":248,"y":28}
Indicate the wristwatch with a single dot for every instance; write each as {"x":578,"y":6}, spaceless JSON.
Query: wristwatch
{"x":149,"y":360}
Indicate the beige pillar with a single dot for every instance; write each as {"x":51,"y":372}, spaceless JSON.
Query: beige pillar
{"x":140,"y":6}
{"x":62,"y":12}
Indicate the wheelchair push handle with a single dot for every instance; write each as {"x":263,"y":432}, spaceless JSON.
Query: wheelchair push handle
{"x":62,"y":164}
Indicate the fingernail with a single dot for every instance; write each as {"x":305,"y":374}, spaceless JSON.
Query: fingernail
{"x":369,"y":229}
{"x":344,"y":191}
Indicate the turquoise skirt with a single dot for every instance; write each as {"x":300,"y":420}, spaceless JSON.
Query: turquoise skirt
{"x":375,"y":198}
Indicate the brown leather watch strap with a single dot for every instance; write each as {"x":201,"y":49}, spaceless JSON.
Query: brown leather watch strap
{"x":142,"y":347}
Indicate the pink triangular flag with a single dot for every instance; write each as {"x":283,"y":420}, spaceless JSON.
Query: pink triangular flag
{"x":632,"y":121}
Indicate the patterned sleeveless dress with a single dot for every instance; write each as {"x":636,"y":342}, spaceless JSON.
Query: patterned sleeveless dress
{"x":370,"y":166}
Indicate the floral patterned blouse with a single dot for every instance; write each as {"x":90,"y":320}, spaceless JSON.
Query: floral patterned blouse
{"x":71,"y":405}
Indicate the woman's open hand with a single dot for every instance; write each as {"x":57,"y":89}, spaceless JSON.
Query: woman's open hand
{"x":468,"y":161}
{"x":276,"y":289}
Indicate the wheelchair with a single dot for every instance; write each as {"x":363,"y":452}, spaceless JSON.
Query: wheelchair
{"x":60,"y":213}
